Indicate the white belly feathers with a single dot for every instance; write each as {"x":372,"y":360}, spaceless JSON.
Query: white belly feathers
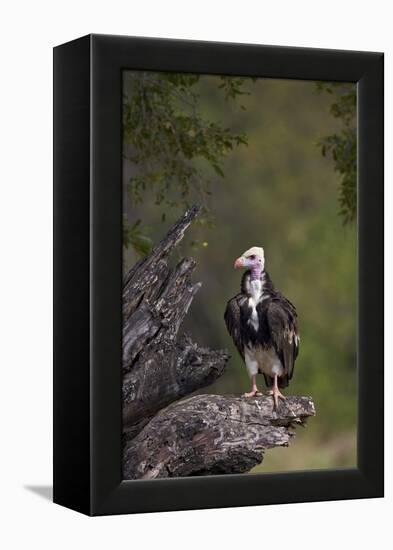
{"x":259,"y":359}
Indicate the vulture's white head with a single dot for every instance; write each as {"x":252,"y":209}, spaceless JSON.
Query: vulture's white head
{"x":253,"y":258}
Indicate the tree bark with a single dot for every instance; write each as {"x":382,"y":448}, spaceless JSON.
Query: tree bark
{"x":212,"y":434}
{"x":159,"y":367}
{"x":165,"y":373}
{"x":205,"y":434}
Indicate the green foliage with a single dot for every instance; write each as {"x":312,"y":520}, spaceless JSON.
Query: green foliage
{"x":341,"y":146}
{"x":170,"y":144}
{"x":135,"y":236}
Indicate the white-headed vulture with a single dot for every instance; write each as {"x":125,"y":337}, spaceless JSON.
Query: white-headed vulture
{"x":263,"y":326}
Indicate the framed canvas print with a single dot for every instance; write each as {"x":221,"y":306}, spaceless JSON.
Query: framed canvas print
{"x":218,"y":275}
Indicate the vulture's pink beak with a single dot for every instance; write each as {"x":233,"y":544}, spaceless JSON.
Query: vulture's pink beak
{"x":238,"y":263}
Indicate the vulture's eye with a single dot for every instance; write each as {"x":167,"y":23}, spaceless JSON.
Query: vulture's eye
{"x":252,"y":257}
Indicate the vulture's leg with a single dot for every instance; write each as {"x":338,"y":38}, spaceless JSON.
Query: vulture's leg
{"x":275,"y":392}
{"x":254,"y":389}
{"x":252,"y":369}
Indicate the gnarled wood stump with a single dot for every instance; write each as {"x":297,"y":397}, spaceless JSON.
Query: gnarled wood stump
{"x":204,"y":434}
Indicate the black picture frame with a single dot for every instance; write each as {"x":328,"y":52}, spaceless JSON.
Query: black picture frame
{"x":88,"y":274}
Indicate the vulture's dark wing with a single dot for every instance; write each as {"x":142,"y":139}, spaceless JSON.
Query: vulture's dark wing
{"x":281,"y":319}
{"x":232,"y":321}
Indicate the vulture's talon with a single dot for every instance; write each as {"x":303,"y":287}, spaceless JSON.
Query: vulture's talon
{"x":252,"y":393}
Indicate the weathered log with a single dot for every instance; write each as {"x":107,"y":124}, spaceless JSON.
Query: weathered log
{"x":212,"y":434}
{"x":144,"y":277}
{"x":164,"y":374}
{"x":158,"y":367}
{"x":159,"y":310}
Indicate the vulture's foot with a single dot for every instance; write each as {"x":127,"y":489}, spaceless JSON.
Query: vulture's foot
{"x":275,"y":392}
{"x":254,"y":390}
{"x":252,"y":393}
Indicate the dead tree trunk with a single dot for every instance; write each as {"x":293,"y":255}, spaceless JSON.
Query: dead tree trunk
{"x":212,"y":434}
{"x":206,"y":434}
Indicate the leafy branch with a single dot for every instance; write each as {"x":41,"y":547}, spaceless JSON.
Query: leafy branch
{"x":135,"y":235}
{"x":342,"y":146}
{"x":170,"y":143}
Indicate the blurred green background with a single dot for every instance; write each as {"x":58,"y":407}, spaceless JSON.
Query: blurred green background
{"x":278,"y":192}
